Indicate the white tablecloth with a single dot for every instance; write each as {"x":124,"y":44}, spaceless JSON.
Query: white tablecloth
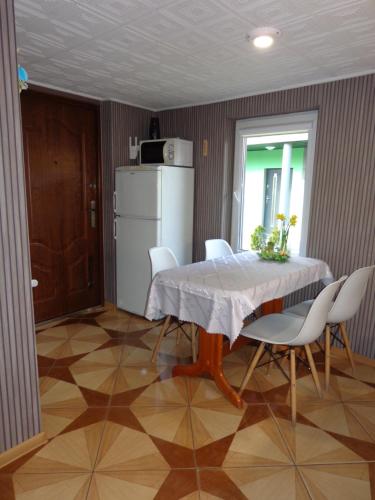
{"x":219,"y":294}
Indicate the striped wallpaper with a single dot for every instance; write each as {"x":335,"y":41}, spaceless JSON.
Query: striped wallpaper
{"x":19,"y":392}
{"x":342,"y":230}
{"x":118,"y":122}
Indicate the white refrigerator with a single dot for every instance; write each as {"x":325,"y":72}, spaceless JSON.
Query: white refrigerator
{"x":153,"y":207}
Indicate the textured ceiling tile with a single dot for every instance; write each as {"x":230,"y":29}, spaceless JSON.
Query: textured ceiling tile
{"x":165,"y":53}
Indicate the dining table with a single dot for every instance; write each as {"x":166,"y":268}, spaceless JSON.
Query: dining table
{"x":219,"y":294}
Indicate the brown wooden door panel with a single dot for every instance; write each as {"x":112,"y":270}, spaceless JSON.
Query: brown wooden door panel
{"x":61,"y":161}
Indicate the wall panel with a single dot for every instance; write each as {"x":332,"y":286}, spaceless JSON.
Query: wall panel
{"x":118,"y":122}
{"x":19,"y":392}
{"x":342,"y":230}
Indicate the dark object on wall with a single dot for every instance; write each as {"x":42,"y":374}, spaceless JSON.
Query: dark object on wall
{"x":154,"y":131}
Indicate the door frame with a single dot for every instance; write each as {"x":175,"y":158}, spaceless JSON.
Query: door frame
{"x":95,"y":105}
{"x":268,"y":125}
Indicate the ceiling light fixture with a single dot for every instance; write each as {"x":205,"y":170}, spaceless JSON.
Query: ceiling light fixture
{"x":263,"y":38}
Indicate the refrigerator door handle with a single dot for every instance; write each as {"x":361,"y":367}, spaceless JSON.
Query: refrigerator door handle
{"x":114,"y":201}
{"x":114,"y":229}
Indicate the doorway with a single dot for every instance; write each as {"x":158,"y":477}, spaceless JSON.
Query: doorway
{"x":273,"y":173}
{"x":62,"y":168}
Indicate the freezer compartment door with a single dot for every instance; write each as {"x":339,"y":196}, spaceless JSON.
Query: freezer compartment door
{"x":138,"y":194}
{"x":134,"y":238}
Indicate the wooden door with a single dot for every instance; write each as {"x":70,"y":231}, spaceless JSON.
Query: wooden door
{"x":61,"y":162}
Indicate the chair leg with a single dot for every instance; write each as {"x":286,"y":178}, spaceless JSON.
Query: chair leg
{"x":293,"y":395}
{"x":314,"y":373}
{"x":163,"y":331}
{"x":178,"y":336}
{"x":273,"y":349}
{"x":252,"y":366}
{"x":345,"y":338}
{"x":327,"y":357}
{"x":193,"y":331}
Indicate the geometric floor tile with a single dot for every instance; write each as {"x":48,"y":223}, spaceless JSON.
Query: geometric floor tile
{"x":74,"y":451}
{"x":362,"y":371}
{"x":350,"y":389}
{"x":169,"y":423}
{"x":50,"y":486}
{"x":55,"y":420}
{"x":171,"y":351}
{"x":70,"y":340}
{"x":365,"y":413}
{"x":56,"y":393}
{"x":97,"y":371}
{"x":334,"y":417}
{"x":148,"y":385}
{"x":237,"y":438}
{"x":126,"y":448}
{"x":122,"y":427}
{"x":130,"y":485}
{"x":266,"y":483}
{"x":311,"y":444}
{"x":132,"y":355}
{"x":205,"y":394}
{"x":126,"y":485}
{"x":338,"y":482}
{"x":114,"y":320}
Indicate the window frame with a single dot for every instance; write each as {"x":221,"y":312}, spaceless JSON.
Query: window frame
{"x":305,"y":121}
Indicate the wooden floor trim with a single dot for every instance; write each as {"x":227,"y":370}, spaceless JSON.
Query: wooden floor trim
{"x":22,"y":449}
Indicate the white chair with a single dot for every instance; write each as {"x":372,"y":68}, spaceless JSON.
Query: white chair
{"x":217,"y":248}
{"x":291,"y":331}
{"x":345,"y":307}
{"x":162,"y":258}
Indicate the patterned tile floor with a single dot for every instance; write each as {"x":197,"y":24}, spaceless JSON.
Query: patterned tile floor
{"x":122,"y":428}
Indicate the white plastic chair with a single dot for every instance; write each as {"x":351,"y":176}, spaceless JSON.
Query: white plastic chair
{"x":217,"y":248}
{"x":291,"y":331}
{"x":344,"y":307}
{"x":162,"y":258}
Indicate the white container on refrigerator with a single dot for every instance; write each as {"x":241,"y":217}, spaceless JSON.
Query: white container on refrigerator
{"x":153,"y":207}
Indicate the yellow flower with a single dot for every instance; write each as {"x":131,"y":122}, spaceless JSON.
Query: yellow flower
{"x":293,"y":220}
{"x":280,"y":217}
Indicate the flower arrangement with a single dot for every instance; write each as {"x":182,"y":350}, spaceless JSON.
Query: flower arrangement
{"x":276,"y":246}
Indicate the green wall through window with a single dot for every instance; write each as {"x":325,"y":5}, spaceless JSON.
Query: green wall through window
{"x":263,"y":158}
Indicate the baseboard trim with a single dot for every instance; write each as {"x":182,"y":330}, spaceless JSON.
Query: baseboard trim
{"x":22,"y":449}
{"x":108,"y":306}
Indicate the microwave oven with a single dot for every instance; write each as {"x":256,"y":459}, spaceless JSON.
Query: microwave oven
{"x":174,"y":152}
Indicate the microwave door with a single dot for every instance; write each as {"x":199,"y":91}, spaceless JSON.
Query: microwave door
{"x":152,"y":153}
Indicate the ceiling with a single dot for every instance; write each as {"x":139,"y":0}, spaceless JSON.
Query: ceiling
{"x":162,"y":54}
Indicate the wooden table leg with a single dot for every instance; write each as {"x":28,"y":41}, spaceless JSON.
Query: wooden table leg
{"x":210,"y":360}
{"x":272,"y":306}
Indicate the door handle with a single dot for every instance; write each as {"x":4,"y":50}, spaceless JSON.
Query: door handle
{"x":93,"y":213}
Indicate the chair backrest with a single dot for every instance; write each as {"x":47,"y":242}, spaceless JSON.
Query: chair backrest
{"x":217,"y":248}
{"x":317,"y":317}
{"x":350,"y":296}
{"x":162,"y":258}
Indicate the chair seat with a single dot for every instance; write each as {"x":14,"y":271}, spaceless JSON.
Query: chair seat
{"x":301,"y":309}
{"x":275,"y":329}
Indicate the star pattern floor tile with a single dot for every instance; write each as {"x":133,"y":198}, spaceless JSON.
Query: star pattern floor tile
{"x":266,"y":483}
{"x":339,"y":482}
{"x":122,"y":427}
{"x":48,"y":486}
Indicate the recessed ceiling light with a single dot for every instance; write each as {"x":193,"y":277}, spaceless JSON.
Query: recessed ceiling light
{"x":263,"y":38}
{"x":270,"y":148}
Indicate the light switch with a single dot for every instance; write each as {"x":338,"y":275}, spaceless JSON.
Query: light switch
{"x":205,"y":147}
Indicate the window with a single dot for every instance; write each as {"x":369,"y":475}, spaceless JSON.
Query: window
{"x":273,"y":174}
